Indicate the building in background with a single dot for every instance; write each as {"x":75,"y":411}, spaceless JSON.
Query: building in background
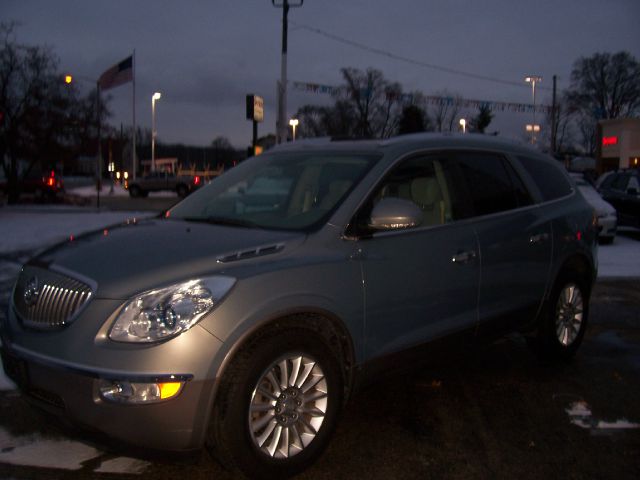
{"x":619,"y":144}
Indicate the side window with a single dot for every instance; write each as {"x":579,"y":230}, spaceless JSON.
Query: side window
{"x":522,"y":194}
{"x":620,"y":182}
{"x":425,"y":181}
{"x":489,"y":180}
{"x":548,"y":177}
{"x":608,"y":180}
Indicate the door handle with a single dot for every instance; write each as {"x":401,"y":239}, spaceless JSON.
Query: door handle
{"x":539,"y":238}
{"x":464,"y":257}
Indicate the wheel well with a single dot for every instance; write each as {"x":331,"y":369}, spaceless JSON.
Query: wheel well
{"x":331,"y":329}
{"x":577,"y":265}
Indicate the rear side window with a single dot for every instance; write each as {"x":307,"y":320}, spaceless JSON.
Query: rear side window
{"x":492,"y":183}
{"x":548,"y":177}
{"x":620,"y":182}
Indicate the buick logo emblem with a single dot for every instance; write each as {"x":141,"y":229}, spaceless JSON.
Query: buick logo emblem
{"x":31,"y":291}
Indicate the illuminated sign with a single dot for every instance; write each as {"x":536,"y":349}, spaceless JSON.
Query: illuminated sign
{"x":609,"y":141}
{"x":255,"y":108}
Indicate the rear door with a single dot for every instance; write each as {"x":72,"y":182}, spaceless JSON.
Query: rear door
{"x":515,"y":240}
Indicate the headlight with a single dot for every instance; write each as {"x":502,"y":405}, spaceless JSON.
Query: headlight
{"x":161,"y":314}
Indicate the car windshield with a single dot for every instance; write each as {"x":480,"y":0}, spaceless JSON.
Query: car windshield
{"x":284,"y":191}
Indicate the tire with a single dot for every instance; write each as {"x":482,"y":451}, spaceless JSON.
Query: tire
{"x":182,"y":191}
{"x":264,"y":429}
{"x":135,"y":191}
{"x":565,"y":317}
{"x":606,"y":240}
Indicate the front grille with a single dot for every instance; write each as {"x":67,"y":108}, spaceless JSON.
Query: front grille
{"x":46,"y":299}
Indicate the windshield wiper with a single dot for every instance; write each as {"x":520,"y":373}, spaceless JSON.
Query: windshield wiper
{"x":231,"y":222}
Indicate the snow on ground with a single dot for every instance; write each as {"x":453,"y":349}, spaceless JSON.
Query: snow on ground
{"x":118,"y":191}
{"x":620,"y":259}
{"x":37,"y":451}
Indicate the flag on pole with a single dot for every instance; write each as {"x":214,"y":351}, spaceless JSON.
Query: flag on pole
{"x":117,"y":75}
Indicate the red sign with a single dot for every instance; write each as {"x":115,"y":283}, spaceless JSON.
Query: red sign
{"x":608,"y":141}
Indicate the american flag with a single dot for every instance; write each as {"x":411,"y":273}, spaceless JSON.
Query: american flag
{"x":117,"y":75}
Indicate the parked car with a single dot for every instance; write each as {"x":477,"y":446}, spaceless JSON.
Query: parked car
{"x":40,"y":186}
{"x":246,"y":316}
{"x":158,"y":181}
{"x":622,"y":190}
{"x":606,"y":215}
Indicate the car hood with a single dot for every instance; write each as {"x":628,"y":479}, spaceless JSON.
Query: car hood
{"x":137,"y":256}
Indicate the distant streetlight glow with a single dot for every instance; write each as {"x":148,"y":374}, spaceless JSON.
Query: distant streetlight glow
{"x":463,"y":124}
{"x":533,"y":79}
{"x":156,"y":96}
{"x":294,"y":123}
{"x":68,"y":79}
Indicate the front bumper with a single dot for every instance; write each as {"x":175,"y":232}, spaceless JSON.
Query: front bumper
{"x":170,"y":425}
{"x":68,"y":384}
{"x":607,"y":227}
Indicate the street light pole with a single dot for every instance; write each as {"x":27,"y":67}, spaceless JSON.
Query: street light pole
{"x":533,"y":79}
{"x":156,"y":96}
{"x":294,"y":123}
{"x":281,"y":125}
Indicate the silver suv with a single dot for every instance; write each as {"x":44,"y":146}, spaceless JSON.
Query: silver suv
{"x":243,"y":317}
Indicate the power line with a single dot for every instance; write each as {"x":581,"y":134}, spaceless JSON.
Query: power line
{"x":401,"y":58}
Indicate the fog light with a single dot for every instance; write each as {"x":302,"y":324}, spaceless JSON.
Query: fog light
{"x":123,"y":391}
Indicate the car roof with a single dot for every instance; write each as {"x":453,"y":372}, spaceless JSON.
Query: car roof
{"x":410,"y":142}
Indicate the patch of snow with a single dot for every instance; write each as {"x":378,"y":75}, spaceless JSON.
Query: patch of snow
{"x":118,"y":191}
{"x":123,"y":465}
{"x":37,"y":451}
{"x":580,"y":415}
{"x":620,"y":259}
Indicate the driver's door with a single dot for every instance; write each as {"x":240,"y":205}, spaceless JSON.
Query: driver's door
{"x":420,"y":283}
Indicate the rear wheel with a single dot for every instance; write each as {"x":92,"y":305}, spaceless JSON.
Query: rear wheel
{"x":182,"y":191}
{"x":564,"y":322}
{"x":135,"y":191}
{"x":278,"y":404}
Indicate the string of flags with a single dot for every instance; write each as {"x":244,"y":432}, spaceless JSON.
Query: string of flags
{"x":408,"y":98}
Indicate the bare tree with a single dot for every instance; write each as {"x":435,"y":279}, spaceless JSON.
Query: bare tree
{"x":42,"y":116}
{"x":445,"y":112}
{"x":606,"y":85}
{"x":565,"y":117}
{"x":603,"y":86}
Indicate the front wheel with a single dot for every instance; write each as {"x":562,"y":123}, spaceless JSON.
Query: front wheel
{"x":564,"y":321}
{"x":277,"y":405}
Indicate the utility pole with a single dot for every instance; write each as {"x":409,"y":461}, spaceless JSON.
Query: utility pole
{"x":554,"y":126}
{"x":99,"y":152}
{"x":281,"y":122}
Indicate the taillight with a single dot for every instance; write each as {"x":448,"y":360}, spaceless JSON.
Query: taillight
{"x":196,"y":180}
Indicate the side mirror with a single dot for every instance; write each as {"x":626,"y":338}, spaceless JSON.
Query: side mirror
{"x":394,"y":214}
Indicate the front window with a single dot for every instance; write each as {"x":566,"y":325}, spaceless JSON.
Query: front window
{"x":287,"y":191}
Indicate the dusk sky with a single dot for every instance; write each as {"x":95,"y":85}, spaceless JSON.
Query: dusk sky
{"x":205,"y":56}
